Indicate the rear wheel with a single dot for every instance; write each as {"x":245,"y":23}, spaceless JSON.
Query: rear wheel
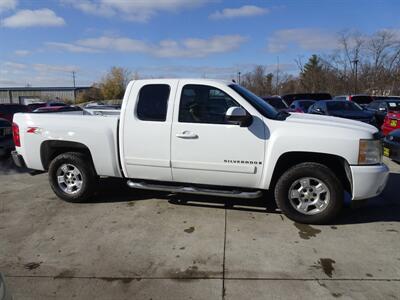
{"x":72,"y":177}
{"x":309,"y":193}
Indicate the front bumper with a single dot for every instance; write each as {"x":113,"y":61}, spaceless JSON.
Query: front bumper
{"x":368,"y":181}
{"x":18,"y":159}
{"x":394,"y":149}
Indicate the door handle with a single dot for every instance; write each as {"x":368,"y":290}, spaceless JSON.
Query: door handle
{"x":187,"y":135}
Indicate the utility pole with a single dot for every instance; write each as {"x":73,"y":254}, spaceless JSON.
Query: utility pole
{"x":73,"y":78}
{"x":355,"y":62}
{"x":239,"y":77}
{"x":277,"y":75}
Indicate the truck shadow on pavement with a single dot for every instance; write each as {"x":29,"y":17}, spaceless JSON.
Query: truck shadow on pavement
{"x":8,"y":167}
{"x":385,"y":208}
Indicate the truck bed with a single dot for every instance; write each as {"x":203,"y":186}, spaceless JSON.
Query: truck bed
{"x":97,"y":133}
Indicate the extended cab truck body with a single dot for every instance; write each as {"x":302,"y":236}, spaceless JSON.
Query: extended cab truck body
{"x":207,"y":137}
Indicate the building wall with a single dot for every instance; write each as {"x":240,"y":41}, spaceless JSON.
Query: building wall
{"x":18,"y":95}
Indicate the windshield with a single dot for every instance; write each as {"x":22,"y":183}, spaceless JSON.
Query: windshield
{"x":306,"y":104}
{"x":343,"y":106}
{"x":258,"y":103}
{"x":393,"y":105}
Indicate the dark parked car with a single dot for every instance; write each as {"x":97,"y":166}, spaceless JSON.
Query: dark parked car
{"x":276,"y":102}
{"x":391,"y":145}
{"x":7,"y":111}
{"x":6,"y":139}
{"x":386,"y":97}
{"x":343,"y":109}
{"x":289,"y":98}
{"x":362,"y":100}
{"x":382,"y":107}
{"x":36,"y":105}
{"x":301,"y":106}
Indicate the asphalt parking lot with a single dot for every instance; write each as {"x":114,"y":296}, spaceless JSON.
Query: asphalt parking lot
{"x":128,"y":244}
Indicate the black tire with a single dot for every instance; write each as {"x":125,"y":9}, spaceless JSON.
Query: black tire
{"x":87,"y":174}
{"x":314,"y":170}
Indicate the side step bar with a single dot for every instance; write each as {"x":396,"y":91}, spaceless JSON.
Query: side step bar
{"x":194,"y":190}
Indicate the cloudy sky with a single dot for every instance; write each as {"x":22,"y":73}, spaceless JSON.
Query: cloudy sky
{"x":43,"y":41}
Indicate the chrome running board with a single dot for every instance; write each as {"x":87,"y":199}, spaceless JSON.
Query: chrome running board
{"x":194,"y":190}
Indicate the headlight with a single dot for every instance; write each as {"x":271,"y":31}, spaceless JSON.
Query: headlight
{"x":370,"y":152}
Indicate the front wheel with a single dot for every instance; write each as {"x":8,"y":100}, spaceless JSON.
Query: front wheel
{"x":309,"y":193}
{"x":72,"y":177}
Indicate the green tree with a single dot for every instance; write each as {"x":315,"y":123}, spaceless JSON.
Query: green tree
{"x":312,"y":75}
{"x":91,"y":94}
{"x":113,"y":84}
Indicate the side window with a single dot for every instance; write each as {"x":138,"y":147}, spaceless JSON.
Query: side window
{"x":153,"y":102}
{"x":383,"y":106}
{"x":374,"y":105}
{"x":204,"y":104}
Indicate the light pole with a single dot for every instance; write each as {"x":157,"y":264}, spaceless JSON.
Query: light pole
{"x":239,"y":77}
{"x":73,"y":78}
{"x":277,"y":75}
{"x":355,"y":62}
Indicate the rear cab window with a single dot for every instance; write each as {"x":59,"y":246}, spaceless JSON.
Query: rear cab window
{"x":153,"y":102}
{"x":361,"y":99}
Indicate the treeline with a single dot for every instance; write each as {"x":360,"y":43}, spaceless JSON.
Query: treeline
{"x":361,"y":64}
{"x":111,"y":86}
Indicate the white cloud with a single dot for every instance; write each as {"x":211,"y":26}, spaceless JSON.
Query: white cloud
{"x":14,"y":65}
{"x":22,"y":52}
{"x":117,"y":44}
{"x":32,"y":18}
{"x":191,"y":47}
{"x":46,"y":68}
{"x":7,"y":5}
{"x":135,"y":10}
{"x":21,"y":74}
{"x":305,"y":38}
{"x":240,"y":12}
{"x":70,"y":47}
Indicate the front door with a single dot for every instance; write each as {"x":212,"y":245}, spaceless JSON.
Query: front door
{"x":205,"y":149}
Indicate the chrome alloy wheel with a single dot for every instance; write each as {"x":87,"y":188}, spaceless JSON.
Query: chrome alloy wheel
{"x":309,"y":195}
{"x":69,"y":179}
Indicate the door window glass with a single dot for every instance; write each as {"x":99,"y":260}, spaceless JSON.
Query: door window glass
{"x":204,"y":104}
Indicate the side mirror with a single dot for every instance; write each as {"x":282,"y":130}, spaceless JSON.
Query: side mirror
{"x":237,"y":115}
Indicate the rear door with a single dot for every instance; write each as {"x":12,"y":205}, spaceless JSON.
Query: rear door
{"x":146,"y":130}
{"x":206,"y":149}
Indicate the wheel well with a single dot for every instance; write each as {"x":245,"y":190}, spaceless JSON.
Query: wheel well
{"x":51,"y":149}
{"x":336,"y":163}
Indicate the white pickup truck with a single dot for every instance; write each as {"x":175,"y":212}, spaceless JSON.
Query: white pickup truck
{"x":207,"y":137}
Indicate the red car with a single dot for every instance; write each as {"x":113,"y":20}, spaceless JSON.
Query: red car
{"x":391,"y":122}
{"x":7,"y":111}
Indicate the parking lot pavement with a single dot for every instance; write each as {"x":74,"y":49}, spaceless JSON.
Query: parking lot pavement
{"x":128,"y":244}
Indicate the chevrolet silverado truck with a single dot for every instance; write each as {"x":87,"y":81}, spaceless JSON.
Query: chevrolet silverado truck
{"x":207,"y":137}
